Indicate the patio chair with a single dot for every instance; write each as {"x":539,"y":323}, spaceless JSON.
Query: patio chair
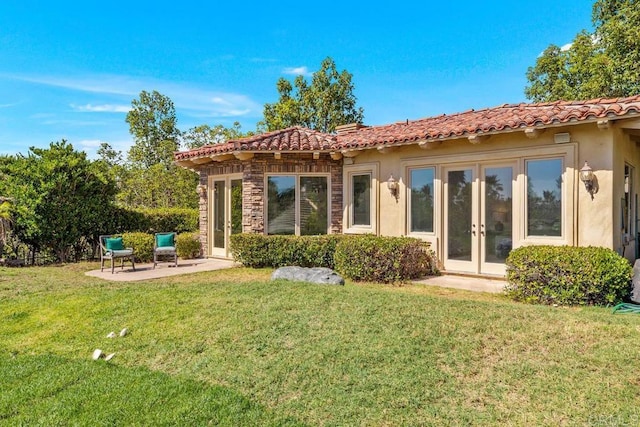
{"x":164,"y":246}
{"x":112,"y":248}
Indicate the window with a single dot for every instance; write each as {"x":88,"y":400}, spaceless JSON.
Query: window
{"x":544,"y":197}
{"x":361,"y":187}
{"x":421,"y":200}
{"x":297,"y":205}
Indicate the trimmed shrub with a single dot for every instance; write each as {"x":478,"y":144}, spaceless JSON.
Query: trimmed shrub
{"x":257,"y":250}
{"x":124,"y":220}
{"x":142,"y":244}
{"x":188,"y":245}
{"x":567,"y":275}
{"x":384,"y":259}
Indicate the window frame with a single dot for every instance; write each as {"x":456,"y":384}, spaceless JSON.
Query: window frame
{"x":349,"y":171}
{"x":563,"y":200}
{"x":297,"y":177}
{"x":409,"y":211}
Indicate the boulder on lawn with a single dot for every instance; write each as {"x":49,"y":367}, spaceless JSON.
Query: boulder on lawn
{"x":318,"y":275}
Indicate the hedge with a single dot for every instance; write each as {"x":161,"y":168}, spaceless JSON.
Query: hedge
{"x":258,"y":251}
{"x":187,"y":245}
{"x":384,"y":259}
{"x":370,"y":258}
{"x":123,"y":220}
{"x":566,"y":275}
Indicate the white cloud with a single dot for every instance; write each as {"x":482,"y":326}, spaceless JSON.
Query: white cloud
{"x":297,"y":71}
{"x":104,"y":108}
{"x":566,"y":47}
{"x":192,"y":99}
{"x":90,"y":143}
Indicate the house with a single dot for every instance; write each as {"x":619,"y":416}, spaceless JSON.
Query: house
{"x":474,"y":184}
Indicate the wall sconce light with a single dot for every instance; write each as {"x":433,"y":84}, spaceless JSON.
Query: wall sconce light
{"x":202,"y":190}
{"x":393,"y":186}
{"x":589,"y":178}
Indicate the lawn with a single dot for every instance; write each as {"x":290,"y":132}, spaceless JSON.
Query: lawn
{"x":231,"y":348}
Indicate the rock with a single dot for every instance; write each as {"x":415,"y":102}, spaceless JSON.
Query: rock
{"x":97,"y":354}
{"x":109,"y":356}
{"x":124,"y":332}
{"x":111,"y":335}
{"x":635,"y":281}
{"x":318,"y":275}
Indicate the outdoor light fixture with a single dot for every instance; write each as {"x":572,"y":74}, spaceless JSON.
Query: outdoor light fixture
{"x":392,"y":185}
{"x":588,"y":177}
{"x":202,"y":190}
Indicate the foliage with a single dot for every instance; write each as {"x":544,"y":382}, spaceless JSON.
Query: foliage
{"x":258,"y":250}
{"x":384,"y":259}
{"x":603,"y":64}
{"x":322,"y":105}
{"x":201,"y":135}
{"x":188,"y":245}
{"x":567,"y":275}
{"x":142,"y":244}
{"x":59,"y":198}
{"x":5,"y":223}
{"x":152,"y":123}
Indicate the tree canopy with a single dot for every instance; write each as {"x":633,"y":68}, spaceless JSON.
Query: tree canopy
{"x":153,"y":125}
{"x":58,"y":197}
{"x":605,"y":63}
{"x":328,"y":101}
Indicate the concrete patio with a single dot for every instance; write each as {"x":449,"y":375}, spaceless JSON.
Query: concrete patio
{"x":147,"y":272}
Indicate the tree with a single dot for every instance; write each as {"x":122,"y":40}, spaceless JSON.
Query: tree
{"x":322,"y":105}
{"x":199,"y":136}
{"x":150,"y":179}
{"x":152,"y":123}
{"x":59,"y":197}
{"x":605,"y":63}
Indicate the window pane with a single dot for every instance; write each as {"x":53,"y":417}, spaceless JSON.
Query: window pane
{"x":361,"y":187}
{"x":218,"y":214}
{"x":544,"y":197}
{"x":281,"y":205}
{"x":313,"y":205}
{"x":236,"y":206}
{"x":422,"y":200}
{"x":498,"y":213}
{"x":459,"y":203}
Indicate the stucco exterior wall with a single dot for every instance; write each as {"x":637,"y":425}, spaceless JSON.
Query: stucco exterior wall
{"x":587,"y":221}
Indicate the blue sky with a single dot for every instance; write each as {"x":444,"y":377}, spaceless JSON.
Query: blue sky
{"x":71,"y":69}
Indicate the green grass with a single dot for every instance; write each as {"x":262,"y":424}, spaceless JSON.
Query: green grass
{"x":231,"y":348}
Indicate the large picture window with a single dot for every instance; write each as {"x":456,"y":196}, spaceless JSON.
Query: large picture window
{"x":297,"y":205}
{"x":544,"y":197}
{"x":421,"y":200}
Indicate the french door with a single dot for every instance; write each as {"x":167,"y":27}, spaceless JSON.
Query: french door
{"x":226,"y":213}
{"x":478,"y":217}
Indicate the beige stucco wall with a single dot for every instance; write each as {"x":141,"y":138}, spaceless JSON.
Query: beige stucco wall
{"x":587,"y":221}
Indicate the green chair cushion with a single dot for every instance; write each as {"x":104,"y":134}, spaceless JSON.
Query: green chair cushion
{"x":114,"y":243}
{"x":163,"y":240}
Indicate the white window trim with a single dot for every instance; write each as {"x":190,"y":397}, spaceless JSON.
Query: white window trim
{"x":347,"y":219}
{"x":297,"y":177}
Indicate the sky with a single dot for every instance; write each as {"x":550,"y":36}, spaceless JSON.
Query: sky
{"x":70,"y":69}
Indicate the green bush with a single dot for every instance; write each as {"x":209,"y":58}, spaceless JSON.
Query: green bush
{"x":122,"y":220}
{"x":257,"y":250}
{"x":142,"y":244}
{"x":188,"y":245}
{"x":384,"y":259}
{"x":566,"y":275}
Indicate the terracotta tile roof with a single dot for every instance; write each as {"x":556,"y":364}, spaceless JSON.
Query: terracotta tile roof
{"x":503,"y":118}
{"x":287,"y":140}
{"x":490,"y":120}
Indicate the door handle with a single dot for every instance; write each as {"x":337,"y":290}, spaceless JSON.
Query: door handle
{"x":482,"y":229}
{"x":474,"y":229}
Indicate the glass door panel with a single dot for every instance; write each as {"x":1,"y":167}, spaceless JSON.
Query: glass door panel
{"x":236,"y":206}
{"x":497,"y":221}
{"x":218,"y":226}
{"x":460,"y":231}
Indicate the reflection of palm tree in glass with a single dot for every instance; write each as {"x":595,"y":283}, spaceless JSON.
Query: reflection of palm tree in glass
{"x":459,"y":215}
{"x":422,"y":209}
